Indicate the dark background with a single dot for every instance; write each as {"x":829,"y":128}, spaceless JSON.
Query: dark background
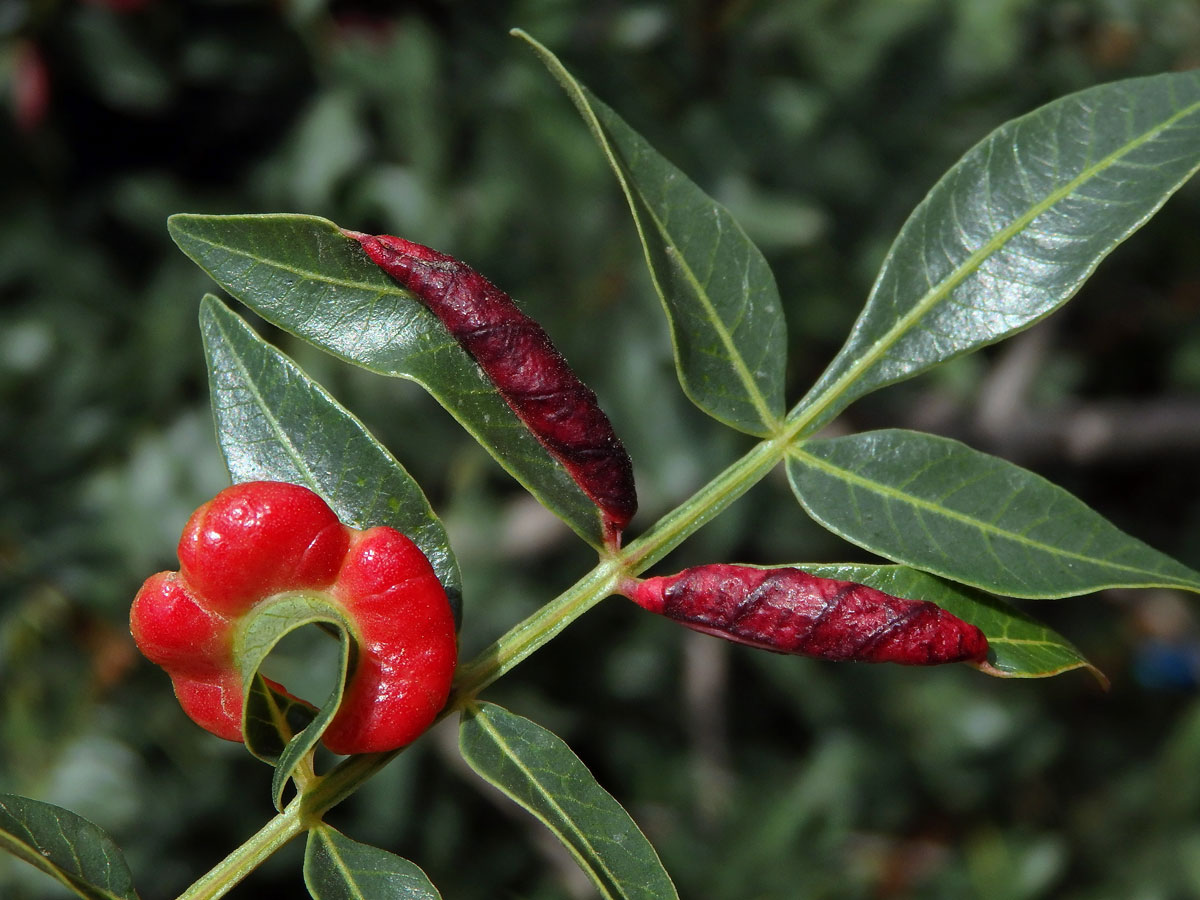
{"x":820,"y":124}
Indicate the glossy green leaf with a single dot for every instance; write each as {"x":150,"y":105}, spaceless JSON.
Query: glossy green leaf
{"x":302,"y":274}
{"x":537,"y":770}
{"x":274,"y":423}
{"x":940,"y":506}
{"x":1015,"y":227}
{"x":337,"y":868}
{"x":1019,"y":645}
{"x":719,"y":294}
{"x":67,"y":847}
{"x":264,"y":627}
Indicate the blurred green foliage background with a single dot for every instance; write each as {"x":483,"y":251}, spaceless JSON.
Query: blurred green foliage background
{"x":820,"y":123}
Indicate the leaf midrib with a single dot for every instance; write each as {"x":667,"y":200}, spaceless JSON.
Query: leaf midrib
{"x":890,"y":493}
{"x":769,"y":419}
{"x":1025,"y":642}
{"x":273,"y":421}
{"x":306,"y":274}
{"x":347,"y":875}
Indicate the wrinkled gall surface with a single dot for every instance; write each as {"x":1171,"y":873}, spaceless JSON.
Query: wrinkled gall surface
{"x":255,"y":542}
{"x":790,"y":611}
{"x":531,"y":375}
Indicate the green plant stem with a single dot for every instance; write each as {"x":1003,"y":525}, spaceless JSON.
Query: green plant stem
{"x":535,"y":631}
{"x":249,"y":856}
{"x":503,"y":655}
{"x":702,"y":507}
{"x":602,"y":581}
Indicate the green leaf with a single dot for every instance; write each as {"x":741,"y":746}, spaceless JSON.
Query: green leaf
{"x":726,"y":320}
{"x":537,"y":770}
{"x":302,"y":274}
{"x":1019,"y":645}
{"x":264,"y":627}
{"x":337,"y":868}
{"x":940,"y":506}
{"x":1015,"y":227}
{"x":67,"y":847}
{"x":275,"y":423}
{"x":282,"y":730}
{"x":275,"y":717}
{"x":302,"y":744}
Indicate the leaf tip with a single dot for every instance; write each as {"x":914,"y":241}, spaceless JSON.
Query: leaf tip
{"x":987,"y":668}
{"x":176,"y":225}
{"x":538,"y":47}
{"x":1100,"y":677}
{"x":177,"y":222}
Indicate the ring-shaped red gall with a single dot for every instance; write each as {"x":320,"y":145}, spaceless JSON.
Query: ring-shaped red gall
{"x":257,"y":541}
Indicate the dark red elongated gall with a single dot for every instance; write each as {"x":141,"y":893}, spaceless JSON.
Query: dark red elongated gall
{"x":531,"y":375}
{"x":790,"y":611}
